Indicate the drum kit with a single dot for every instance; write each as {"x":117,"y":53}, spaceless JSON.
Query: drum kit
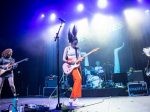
{"x":94,"y":78}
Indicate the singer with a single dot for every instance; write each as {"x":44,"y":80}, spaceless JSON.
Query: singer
{"x":71,"y":54}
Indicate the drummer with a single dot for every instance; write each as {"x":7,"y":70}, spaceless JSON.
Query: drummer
{"x":99,"y":69}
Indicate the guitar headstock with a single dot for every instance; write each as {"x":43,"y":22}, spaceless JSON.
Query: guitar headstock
{"x":26,"y":59}
{"x":95,"y":49}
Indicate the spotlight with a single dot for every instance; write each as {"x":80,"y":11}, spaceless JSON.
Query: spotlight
{"x":53,"y":17}
{"x":134,"y":18}
{"x":147,"y":11}
{"x":80,"y":7}
{"x":133,"y":14}
{"x":102,"y":3}
{"x":42,"y":15}
{"x":140,"y":1}
{"x":111,"y":17}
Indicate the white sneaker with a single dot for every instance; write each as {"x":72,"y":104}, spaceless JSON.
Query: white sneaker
{"x":70,"y":100}
{"x":77,"y":103}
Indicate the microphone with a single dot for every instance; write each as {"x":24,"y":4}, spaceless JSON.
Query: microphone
{"x":63,"y":21}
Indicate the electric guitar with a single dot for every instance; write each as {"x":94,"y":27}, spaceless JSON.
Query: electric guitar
{"x":7,"y":67}
{"x":146,"y":51}
{"x":67,"y":68}
{"x":147,"y":69}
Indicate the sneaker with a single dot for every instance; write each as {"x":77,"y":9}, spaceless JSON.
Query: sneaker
{"x":77,"y":104}
{"x":71,"y":100}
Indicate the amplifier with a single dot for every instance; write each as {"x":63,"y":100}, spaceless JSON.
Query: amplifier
{"x":51,"y":81}
{"x":136,"y":75}
{"x":137,"y":89}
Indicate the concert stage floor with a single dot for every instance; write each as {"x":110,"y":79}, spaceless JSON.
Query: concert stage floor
{"x":103,"y":104}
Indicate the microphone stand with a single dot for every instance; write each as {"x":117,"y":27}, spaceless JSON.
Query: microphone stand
{"x":58,"y":107}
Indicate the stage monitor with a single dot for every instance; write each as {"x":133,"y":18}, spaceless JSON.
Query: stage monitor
{"x":120,"y":78}
{"x":136,"y":76}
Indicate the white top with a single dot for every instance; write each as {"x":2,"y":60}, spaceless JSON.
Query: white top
{"x":71,"y":53}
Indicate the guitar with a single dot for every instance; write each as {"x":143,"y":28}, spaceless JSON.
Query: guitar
{"x":9,"y":66}
{"x":146,"y":51}
{"x":147,"y":69}
{"x":67,"y":68}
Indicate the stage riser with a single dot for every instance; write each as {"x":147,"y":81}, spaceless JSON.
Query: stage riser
{"x":92,"y":92}
{"x":104,"y":92}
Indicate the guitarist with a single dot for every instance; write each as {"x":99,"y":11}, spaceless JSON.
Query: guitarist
{"x":70,"y":55}
{"x":6,"y":59}
{"x":147,"y":53}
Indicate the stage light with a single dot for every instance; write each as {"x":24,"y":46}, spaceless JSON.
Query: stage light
{"x":111,"y":17}
{"x":102,"y":3}
{"x":53,"y":17}
{"x":140,"y":1}
{"x":147,"y":12}
{"x":134,"y":19}
{"x":99,"y":24}
{"x":133,"y":15}
{"x":42,"y":15}
{"x":80,"y":7}
{"x":104,"y":26}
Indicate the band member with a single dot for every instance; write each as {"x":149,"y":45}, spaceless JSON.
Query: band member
{"x":70,"y":55}
{"x":147,"y":53}
{"x":98,"y":69}
{"x":6,"y":58}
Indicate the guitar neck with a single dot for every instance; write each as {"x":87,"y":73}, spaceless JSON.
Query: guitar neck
{"x":20,"y":61}
{"x":87,"y":54}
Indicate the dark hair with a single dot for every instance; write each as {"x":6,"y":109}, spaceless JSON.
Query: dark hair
{"x":72,"y":35}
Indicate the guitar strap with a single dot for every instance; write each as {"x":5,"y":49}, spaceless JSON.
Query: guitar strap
{"x":76,"y":51}
{"x":77,"y":56}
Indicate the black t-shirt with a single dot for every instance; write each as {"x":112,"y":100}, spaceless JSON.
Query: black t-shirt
{"x":5,"y":61}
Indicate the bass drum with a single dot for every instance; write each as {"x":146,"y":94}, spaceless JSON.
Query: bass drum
{"x":93,"y":82}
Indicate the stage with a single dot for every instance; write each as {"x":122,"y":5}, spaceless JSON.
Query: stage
{"x":97,"y":49}
{"x":97,"y":104}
